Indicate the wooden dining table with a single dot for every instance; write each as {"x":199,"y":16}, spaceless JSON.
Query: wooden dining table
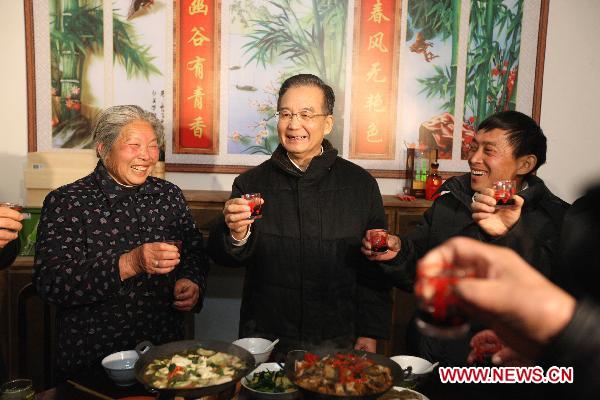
{"x":101,"y":387}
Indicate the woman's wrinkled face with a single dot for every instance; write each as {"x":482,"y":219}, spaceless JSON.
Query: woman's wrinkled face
{"x":134,"y":154}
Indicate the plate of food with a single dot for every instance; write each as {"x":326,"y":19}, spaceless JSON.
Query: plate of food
{"x":269,"y":381}
{"x":192,"y":369}
{"x":401,"y":393}
{"x":338,"y":374}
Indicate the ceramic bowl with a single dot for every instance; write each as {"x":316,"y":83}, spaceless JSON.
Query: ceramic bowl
{"x":256,"y":394}
{"x":421,"y":369}
{"x":120,"y":367}
{"x":257,"y":347}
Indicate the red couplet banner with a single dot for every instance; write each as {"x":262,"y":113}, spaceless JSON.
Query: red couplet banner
{"x":374,"y":79}
{"x":196,"y":75}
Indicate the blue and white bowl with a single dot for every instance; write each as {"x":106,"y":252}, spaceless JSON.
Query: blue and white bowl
{"x":120,"y":367}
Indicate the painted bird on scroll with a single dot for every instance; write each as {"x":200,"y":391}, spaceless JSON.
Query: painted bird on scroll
{"x":137,"y":5}
{"x":421,"y":45}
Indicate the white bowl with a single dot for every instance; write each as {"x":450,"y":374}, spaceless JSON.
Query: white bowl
{"x":257,"y":347}
{"x":420,"y":366}
{"x":255,"y":394}
{"x":120,"y":367}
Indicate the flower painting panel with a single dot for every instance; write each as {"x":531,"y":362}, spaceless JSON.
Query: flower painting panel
{"x":270,"y":41}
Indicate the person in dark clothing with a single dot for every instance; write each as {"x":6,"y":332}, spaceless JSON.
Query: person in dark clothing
{"x":577,"y":269}
{"x":536,"y":318}
{"x":10,"y":225}
{"x":508,"y":146}
{"x":102,"y":255}
{"x":306,"y":280}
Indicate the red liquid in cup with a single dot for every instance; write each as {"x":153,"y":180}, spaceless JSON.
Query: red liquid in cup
{"x":255,"y":205}
{"x":503,"y":198}
{"x":503,"y":192}
{"x":378,"y":240}
{"x":438,"y":312}
{"x":16,"y":207}
{"x":256,"y":209}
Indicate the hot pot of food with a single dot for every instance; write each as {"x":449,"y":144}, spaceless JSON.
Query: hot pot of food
{"x":334,"y":374}
{"x":192,"y":368}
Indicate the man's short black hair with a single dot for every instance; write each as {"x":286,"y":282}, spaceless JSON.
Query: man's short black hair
{"x":524,"y":134}
{"x":309,"y":80}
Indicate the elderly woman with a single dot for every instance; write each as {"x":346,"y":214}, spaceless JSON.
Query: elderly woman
{"x":102,"y":256}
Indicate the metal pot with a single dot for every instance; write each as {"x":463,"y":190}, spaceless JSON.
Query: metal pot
{"x":148,"y":353}
{"x":398,"y":374}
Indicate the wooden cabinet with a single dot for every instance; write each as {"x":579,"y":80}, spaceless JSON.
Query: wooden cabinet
{"x":31,"y":328}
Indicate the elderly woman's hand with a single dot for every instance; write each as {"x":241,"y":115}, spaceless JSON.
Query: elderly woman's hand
{"x":186,"y":294}
{"x":152,"y":258}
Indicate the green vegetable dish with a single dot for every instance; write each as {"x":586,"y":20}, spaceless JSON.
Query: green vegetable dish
{"x":271,"y":382}
{"x":195,"y":368}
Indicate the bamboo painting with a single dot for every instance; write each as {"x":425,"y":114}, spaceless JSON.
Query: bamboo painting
{"x":273,"y":40}
{"x":430,"y":77}
{"x":492,"y":61}
{"x":76,"y":33}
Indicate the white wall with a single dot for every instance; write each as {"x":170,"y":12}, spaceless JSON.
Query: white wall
{"x":569,"y":104}
{"x":13,"y":101}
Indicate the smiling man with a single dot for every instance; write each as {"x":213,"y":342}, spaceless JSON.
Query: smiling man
{"x":306,"y":280}
{"x":508,"y":146}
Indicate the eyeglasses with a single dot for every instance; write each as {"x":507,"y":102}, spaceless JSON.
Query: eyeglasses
{"x":303,"y":116}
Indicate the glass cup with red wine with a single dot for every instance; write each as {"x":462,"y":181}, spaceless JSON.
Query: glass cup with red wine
{"x":255,"y":205}
{"x":16,"y":207}
{"x":438,"y":313}
{"x":378,"y":239}
{"x":504,"y":191}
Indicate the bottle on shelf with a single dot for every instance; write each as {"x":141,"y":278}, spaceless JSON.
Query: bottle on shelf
{"x":433,"y":183}
{"x":420,"y":172}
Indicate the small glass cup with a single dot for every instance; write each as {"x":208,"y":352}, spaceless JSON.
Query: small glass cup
{"x":16,"y":207}
{"x":504,"y":192}
{"x":378,"y":239}
{"x":175,"y":242}
{"x":17,"y":389}
{"x":255,"y":205}
{"x":438,"y":314}
{"x":484,"y":349}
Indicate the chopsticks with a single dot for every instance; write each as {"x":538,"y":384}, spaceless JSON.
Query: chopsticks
{"x":89,"y":391}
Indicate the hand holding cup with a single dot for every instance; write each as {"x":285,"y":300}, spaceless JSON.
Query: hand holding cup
{"x":10,"y":222}
{"x":240,"y":213}
{"x":152,"y":258}
{"x":379,"y":245}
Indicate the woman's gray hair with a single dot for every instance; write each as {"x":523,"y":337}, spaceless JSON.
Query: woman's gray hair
{"x":110,"y":122}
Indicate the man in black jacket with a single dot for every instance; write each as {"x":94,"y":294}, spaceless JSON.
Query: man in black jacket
{"x":508,"y":146}
{"x":306,"y":280}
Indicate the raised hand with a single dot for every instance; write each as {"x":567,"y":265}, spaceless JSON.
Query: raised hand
{"x":495,"y":221}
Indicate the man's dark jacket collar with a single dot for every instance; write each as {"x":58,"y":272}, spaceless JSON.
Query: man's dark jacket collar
{"x":318,"y":166}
